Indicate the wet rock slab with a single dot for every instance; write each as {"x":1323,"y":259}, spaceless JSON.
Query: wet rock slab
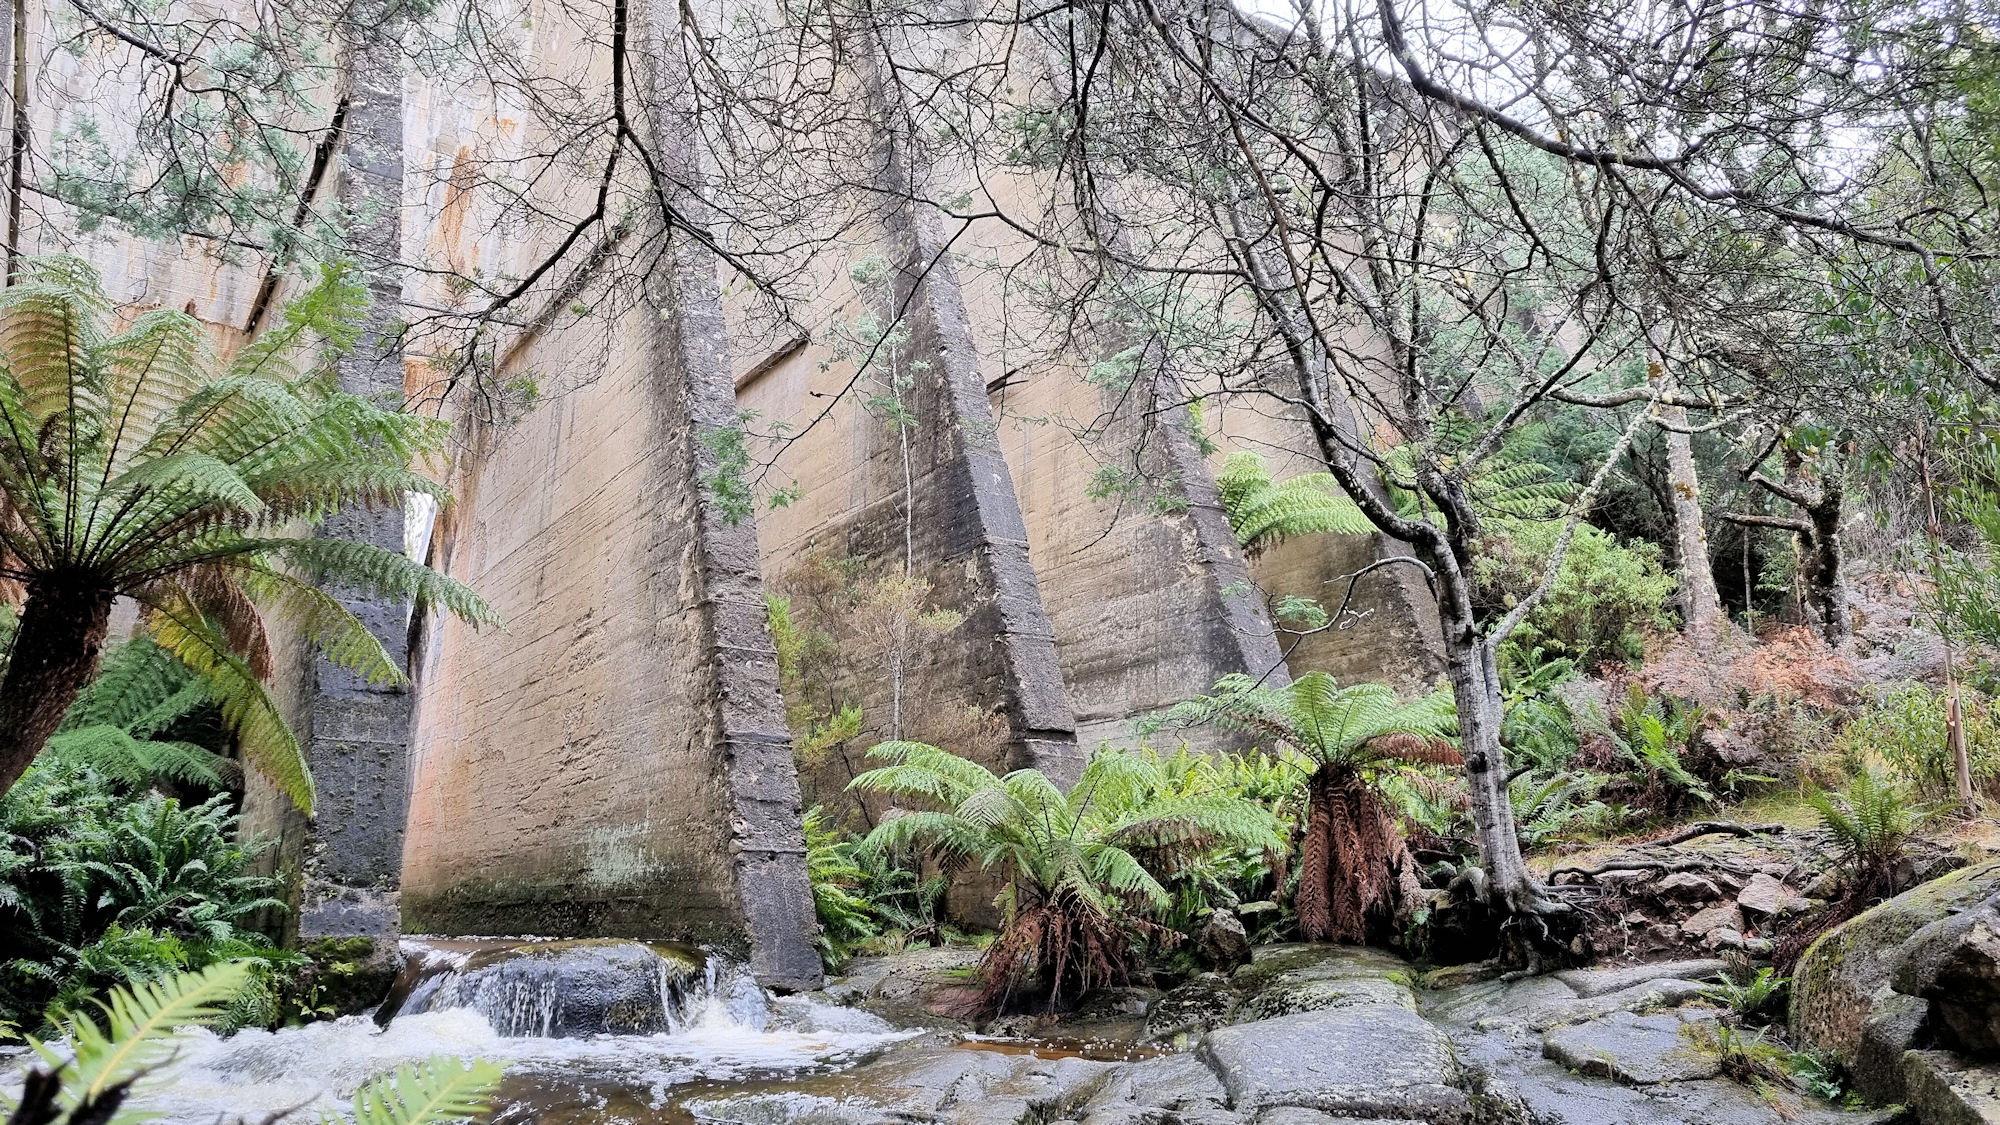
{"x":1635,"y":1050}
{"x":955,"y":1085}
{"x":1378,"y":1060}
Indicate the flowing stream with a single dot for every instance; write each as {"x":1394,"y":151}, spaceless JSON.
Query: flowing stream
{"x":591,"y":1033}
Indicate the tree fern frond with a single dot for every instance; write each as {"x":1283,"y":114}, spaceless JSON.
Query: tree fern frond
{"x":266,"y":741}
{"x":383,"y":572}
{"x":1264,"y":512}
{"x":321,"y":620}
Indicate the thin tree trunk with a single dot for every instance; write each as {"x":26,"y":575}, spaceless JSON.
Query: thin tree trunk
{"x":55,"y":655}
{"x":1475,"y":685}
{"x":1699,"y":600}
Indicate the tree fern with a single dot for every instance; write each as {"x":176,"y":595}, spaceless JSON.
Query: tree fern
{"x":1082,"y":867}
{"x":134,"y":463}
{"x":1356,"y":873}
{"x":1264,"y":512}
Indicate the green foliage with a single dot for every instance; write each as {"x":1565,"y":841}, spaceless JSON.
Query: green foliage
{"x":847,"y":919}
{"x":1538,"y":728}
{"x":1759,"y":999}
{"x":1357,"y":726}
{"x":138,"y":723}
{"x":1903,"y":725}
{"x":1264,"y":512}
{"x":1550,"y":807}
{"x":1655,"y":734}
{"x":439,"y":1090}
{"x":1604,"y":599}
{"x":1965,"y":588}
{"x":99,"y":888}
{"x":1081,"y":869}
{"x":134,"y":1036}
{"x":800,"y":649}
{"x":1870,"y":823}
{"x":99,"y":1080}
{"x":134,"y":461}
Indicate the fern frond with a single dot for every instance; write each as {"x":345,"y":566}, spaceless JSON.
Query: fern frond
{"x":138,"y":1019}
{"x":265,"y":739}
{"x":439,"y":1090}
{"x":1264,"y":512}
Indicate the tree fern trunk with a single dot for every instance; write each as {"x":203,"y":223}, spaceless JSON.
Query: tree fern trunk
{"x":1312,"y":903}
{"x":54,"y":657}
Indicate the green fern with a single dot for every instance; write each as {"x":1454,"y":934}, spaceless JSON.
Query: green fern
{"x":1870,"y":822}
{"x":133,"y":1038}
{"x":1077,"y":864}
{"x":1356,"y":726}
{"x":439,"y":1090}
{"x":96,"y":1080}
{"x":134,"y":463}
{"x":1264,"y":512}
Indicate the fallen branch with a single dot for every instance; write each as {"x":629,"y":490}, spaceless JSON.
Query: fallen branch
{"x":1663,"y":866}
{"x":1716,"y":828}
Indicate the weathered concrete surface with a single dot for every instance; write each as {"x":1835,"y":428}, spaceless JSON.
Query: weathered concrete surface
{"x":615,"y":763}
{"x":357,"y":734}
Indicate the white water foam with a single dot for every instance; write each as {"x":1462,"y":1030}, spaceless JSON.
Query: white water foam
{"x":726,"y":1033}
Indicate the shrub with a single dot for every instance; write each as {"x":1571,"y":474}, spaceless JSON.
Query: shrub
{"x":1605,"y":597}
{"x":1903,"y":726}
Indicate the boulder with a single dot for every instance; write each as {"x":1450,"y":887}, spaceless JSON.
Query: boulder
{"x":1687,"y":887}
{"x":1767,"y":896}
{"x":1222,"y":943}
{"x":1954,"y":963}
{"x":1202,"y":1004}
{"x":1721,"y":917}
{"x":1946,"y":1089}
{"x":1177,"y":1088}
{"x":1846,"y":975}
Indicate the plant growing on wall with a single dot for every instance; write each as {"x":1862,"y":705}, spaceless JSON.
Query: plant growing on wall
{"x":134,"y":464}
{"x":1356,"y":876}
{"x":1084,"y":870}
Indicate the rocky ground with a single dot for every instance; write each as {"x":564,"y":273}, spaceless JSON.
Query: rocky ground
{"x":1308,"y":1035}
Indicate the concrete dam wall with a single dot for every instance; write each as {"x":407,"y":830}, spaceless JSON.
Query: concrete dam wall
{"x":618,"y":760}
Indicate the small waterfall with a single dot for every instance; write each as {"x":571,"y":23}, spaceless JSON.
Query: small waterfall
{"x":570,"y":989}
{"x":573,"y":1021}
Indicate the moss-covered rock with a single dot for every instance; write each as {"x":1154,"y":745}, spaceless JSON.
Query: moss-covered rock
{"x":1845,"y":975}
{"x":351,"y":975}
